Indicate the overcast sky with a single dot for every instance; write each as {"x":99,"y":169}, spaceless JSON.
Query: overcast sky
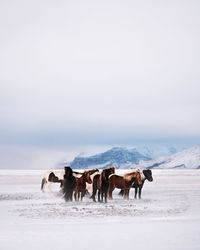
{"x":99,"y":72}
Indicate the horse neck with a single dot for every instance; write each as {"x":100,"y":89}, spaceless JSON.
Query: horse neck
{"x":134,"y":178}
{"x":93,"y":171}
{"x":84,"y":178}
{"x":103,"y":177}
{"x":89,"y":181}
{"x":139,"y":177}
{"x":144,"y":173}
{"x":130,"y":176}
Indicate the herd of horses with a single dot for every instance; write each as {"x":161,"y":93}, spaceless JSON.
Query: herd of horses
{"x":101,"y":182}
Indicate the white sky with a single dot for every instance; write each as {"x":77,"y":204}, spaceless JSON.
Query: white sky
{"x":98,"y":72}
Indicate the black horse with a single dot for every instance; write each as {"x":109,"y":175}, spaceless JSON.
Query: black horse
{"x":69,"y":184}
{"x":147,"y":176}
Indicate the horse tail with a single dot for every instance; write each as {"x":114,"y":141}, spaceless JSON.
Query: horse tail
{"x":121,"y":192}
{"x":42,"y":184}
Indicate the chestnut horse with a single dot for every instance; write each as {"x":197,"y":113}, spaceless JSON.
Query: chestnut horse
{"x":81,"y":185}
{"x":147,"y":175}
{"x":124,"y":182}
{"x":100,"y":183}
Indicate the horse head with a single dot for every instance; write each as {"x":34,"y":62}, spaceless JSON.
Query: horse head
{"x":86,"y":176}
{"x":68,"y":172}
{"x":111,"y":170}
{"x":148,"y":174}
{"x":53,"y":178}
{"x":93,"y":171}
{"x":107,"y":172}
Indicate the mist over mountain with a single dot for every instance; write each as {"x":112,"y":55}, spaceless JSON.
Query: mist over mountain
{"x":152,"y":157}
{"x":188,"y":158}
{"x":117,"y":156}
{"x":155,"y":151}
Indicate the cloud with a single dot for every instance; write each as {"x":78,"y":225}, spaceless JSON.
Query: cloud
{"x":98,"y":72}
{"x":32,"y":157}
{"x":35,"y":157}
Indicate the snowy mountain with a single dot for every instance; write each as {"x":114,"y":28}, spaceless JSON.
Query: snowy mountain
{"x":152,"y":157}
{"x":188,"y":158}
{"x":117,"y":156}
{"x":155,"y":151}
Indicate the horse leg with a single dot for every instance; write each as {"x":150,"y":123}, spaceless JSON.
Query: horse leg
{"x":94,"y":194}
{"x":75,"y":195}
{"x":98,"y":195}
{"x":102,"y":193}
{"x":43,"y":184}
{"x":136,"y":189}
{"x":78,"y":195}
{"x":126,"y":194}
{"x":71,"y":194}
{"x":111,"y":193}
{"x":67,"y":196}
{"x":90,"y":190}
{"x":121,"y":192}
{"x":82,"y":194}
{"x":106,"y":197}
{"x":110,"y":190}
{"x":49,"y":186}
{"x":140,"y":191}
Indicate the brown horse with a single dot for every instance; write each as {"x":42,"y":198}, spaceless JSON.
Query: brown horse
{"x":124,"y":182}
{"x":147,"y":175}
{"x":81,"y":185}
{"x":100,"y":183}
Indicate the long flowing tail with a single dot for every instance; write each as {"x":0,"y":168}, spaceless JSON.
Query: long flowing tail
{"x":42,"y":184}
{"x":121,"y":192}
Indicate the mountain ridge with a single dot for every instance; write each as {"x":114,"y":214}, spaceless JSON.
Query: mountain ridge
{"x":187,"y":158}
{"x":143,"y":157}
{"x":116,"y":156}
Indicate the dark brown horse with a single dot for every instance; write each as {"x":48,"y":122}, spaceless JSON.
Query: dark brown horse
{"x":147,"y":175}
{"x":124,"y":182}
{"x":100,"y":183}
{"x":80,"y":188}
{"x":69,"y":184}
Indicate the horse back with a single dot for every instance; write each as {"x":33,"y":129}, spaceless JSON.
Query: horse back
{"x":117,"y":181}
{"x":58,"y":173}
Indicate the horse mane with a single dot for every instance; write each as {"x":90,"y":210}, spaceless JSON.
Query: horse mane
{"x":132,"y":174}
{"x":111,"y":175}
{"x":86,"y":175}
{"x":75,"y":172}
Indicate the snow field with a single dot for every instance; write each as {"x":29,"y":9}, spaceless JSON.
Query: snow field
{"x":167,"y":216}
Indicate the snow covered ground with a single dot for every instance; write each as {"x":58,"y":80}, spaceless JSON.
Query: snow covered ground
{"x":167,"y":217}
